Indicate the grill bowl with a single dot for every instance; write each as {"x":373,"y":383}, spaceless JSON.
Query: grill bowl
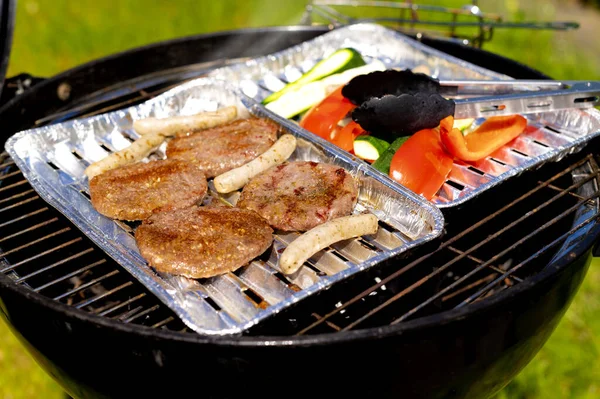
{"x":470,"y":351}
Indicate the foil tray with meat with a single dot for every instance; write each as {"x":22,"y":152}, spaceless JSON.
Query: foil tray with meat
{"x":227,"y":224}
{"x":344,"y":87}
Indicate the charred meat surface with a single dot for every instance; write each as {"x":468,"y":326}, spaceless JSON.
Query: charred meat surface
{"x":297,"y":196}
{"x":225,"y":147}
{"x":136,"y":191}
{"x":199,"y":242}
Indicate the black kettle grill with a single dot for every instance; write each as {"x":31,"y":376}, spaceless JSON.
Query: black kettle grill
{"x":458,"y":319}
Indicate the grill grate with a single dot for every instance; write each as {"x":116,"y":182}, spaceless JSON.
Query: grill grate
{"x":487,"y":249}
{"x":40,"y":250}
{"x":459,"y":274}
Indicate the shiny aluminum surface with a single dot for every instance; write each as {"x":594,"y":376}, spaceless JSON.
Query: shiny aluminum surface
{"x":549,"y":137}
{"x":53,"y":159}
{"x":583,"y":95}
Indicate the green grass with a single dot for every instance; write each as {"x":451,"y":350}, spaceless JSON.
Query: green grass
{"x":568,"y":366}
{"x":53,"y":35}
{"x":20,"y":376}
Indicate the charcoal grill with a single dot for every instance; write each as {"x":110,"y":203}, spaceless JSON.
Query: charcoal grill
{"x":458,"y":318}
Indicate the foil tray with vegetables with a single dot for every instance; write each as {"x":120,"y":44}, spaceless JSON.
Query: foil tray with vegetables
{"x":221,"y":211}
{"x":375,"y":94}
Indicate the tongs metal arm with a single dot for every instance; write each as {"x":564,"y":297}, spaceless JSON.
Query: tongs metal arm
{"x":578,"y":94}
{"x":490,"y":87}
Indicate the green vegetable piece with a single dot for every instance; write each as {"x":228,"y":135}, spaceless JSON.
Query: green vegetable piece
{"x":384,"y":161}
{"x":339,"y":61}
{"x":369,"y":147}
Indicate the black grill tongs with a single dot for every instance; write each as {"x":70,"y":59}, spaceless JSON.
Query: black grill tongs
{"x":401,"y":101}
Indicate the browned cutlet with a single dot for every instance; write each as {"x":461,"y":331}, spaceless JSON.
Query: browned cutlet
{"x":136,"y":191}
{"x":200,"y":242}
{"x":297,"y":196}
{"x":225,"y":147}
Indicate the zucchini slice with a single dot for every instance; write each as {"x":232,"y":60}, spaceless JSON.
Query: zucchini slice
{"x":369,"y":147}
{"x":339,"y":61}
{"x":297,"y":101}
{"x":303,"y":97}
{"x":463,"y":124}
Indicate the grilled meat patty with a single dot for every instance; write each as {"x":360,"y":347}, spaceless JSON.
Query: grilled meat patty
{"x":225,"y":147}
{"x":202,"y":242}
{"x":136,"y":191}
{"x":297,"y":196}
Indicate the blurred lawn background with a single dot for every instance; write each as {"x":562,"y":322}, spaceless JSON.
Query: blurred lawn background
{"x":54,"y":35}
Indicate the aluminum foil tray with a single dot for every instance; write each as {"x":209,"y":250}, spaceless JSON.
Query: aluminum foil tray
{"x":549,"y":136}
{"x":53,"y":159}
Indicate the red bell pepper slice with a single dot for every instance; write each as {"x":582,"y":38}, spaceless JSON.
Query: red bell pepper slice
{"x":421,"y":164}
{"x":344,"y":138}
{"x":494,"y":133}
{"x":323,"y":118}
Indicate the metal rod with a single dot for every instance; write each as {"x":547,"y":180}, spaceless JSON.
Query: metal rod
{"x":68,"y":276}
{"x":60,"y":262}
{"x":131,"y":86}
{"x":103,"y":295}
{"x":36,"y":212}
{"x":475,"y":259}
{"x":453,"y":24}
{"x":496,"y":257}
{"x":86,"y":285}
{"x":25,"y":201}
{"x":334,"y":14}
{"x":141,"y":96}
{"x":163,"y":323}
{"x":470,"y":250}
{"x":532,"y":257}
{"x":418,"y":261}
{"x":28,"y":230}
{"x":329,"y":323}
{"x":399,"y":5}
{"x":128,"y":313}
{"x":11,"y":174}
{"x":575,"y":195}
{"x":486,"y":21}
{"x":9,"y":163}
{"x":469,"y":287}
{"x":141,"y":314}
{"x":37,"y":241}
{"x":19,"y":183}
{"x":122,"y":304}
{"x":581,"y":95}
{"x":24,"y":193}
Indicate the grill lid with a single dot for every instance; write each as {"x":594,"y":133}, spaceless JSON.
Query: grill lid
{"x":7,"y":23}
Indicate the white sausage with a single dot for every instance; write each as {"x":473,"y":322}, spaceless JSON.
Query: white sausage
{"x":324,"y":235}
{"x":237,"y":178}
{"x":183,"y":124}
{"x":137,"y":151}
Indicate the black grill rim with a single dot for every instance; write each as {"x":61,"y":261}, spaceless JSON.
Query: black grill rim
{"x":562,"y":261}
{"x":78,"y":74}
{"x":7,"y":23}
